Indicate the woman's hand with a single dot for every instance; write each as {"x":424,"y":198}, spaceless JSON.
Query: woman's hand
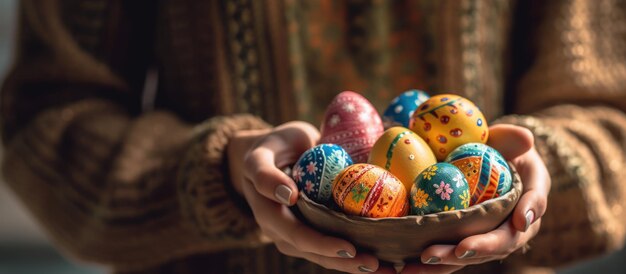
{"x":256,"y":159}
{"x":516,"y":145}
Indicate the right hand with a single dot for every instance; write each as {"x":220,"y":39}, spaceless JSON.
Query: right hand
{"x":256,"y":159}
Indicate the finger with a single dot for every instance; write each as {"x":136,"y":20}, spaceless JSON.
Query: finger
{"x":271,"y":182}
{"x":384,"y":270}
{"x":510,"y":140}
{"x":278,"y":150}
{"x":362,"y":263}
{"x":437,"y":254}
{"x":445,"y":255}
{"x":494,"y":245}
{"x":428,"y":269}
{"x":301,"y":134}
{"x":278,"y":221}
{"x":534,"y":200}
{"x":237,"y":148}
{"x":289,"y":141}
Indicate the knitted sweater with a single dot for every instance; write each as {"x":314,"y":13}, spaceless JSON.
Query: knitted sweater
{"x":116,"y":114}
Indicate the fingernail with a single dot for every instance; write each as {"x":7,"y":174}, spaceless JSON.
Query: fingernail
{"x":530,"y":216}
{"x":283,"y":194}
{"x":345,"y":254}
{"x":468,"y":254}
{"x":433,"y":260}
{"x":398,"y":267}
{"x":363,"y":268}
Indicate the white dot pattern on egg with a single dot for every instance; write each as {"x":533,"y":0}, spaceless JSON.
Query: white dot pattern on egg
{"x":399,"y":112}
{"x":352,"y":122}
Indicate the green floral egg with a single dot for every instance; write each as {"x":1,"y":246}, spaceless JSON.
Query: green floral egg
{"x":440,"y":187}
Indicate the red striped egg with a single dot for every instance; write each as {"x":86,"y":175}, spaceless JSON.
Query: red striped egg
{"x":370,"y":191}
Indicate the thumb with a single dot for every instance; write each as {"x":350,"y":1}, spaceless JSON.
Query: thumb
{"x":510,"y":140}
{"x":281,"y":148}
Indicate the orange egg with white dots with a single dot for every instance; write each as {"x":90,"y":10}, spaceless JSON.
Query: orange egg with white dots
{"x":447,"y":121}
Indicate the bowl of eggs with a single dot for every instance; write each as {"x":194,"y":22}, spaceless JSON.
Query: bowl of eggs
{"x":420,"y":175}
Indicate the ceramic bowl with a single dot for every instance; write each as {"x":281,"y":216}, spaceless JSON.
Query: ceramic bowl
{"x":402,"y":239}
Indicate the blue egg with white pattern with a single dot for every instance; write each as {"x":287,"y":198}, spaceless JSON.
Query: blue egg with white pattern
{"x":316,"y":169}
{"x":399,"y":112}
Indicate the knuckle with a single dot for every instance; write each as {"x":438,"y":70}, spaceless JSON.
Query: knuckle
{"x":534,"y":229}
{"x":299,"y":242}
{"x":262,"y":178}
{"x":329,"y":263}
{"x":318,"y":260}
{"x":267,"y":231}
{"x":249,"y":159}
{"x":500,"y":257}
{"x":260,"y":173}
{"x":483,"y":259}
{"x":510,"y":250}
{"x":542,"y":204}
{"x":282,"y":248}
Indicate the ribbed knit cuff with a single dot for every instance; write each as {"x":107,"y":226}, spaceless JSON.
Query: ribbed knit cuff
{"x":206,"y":193}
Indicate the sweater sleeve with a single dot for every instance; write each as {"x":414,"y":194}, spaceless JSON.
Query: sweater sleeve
{"x":572,"y":98}
{"x":109,"y":183}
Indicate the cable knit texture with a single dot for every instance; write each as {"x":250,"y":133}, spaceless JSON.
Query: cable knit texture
{"x":218,"y":213}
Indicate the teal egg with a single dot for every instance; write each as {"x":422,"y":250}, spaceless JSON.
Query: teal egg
{"x":440,"y":187}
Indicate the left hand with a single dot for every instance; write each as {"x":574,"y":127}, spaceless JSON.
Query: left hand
{"x":516,"y":145}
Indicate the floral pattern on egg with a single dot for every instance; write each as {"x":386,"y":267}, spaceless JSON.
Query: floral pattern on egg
{"x":486,"y":171}
{"x":440,"y":187}
{"x":316,"y":169}
{"x":352,"y":122}
{"x":447,"y":121}
{"x":401,"y":108}
{"x":370,"y":191}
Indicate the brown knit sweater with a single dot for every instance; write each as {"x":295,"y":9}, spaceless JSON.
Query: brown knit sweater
{"x":116,"y":114}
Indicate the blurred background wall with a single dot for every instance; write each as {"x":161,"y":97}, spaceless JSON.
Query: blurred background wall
{"x":24,"y":248}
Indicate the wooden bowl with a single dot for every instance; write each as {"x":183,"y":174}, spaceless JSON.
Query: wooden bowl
{"x":402,"y":239}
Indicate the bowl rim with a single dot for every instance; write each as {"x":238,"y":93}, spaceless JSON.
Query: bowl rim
{"x":513,"y":194}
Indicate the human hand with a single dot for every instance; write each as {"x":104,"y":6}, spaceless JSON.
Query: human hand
{"x":516,"y":145}
{"x":256,"y":159}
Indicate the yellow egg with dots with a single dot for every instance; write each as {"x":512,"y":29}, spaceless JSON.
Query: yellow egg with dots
{"x":448,"y":121}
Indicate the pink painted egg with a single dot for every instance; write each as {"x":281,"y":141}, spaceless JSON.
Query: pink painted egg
{"x":447,"y":121}
{"x":352,"y":122}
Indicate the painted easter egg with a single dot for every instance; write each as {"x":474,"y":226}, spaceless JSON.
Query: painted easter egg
{"x":486,"y":171}
{"x":447,"y":121}
{"x":352,"y":122}
{"x":440,"y":187}
{"x":316,"y":169}
{"x":403,"y":153}
{"x":370,"y":191}
{"x":399,"y":112}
